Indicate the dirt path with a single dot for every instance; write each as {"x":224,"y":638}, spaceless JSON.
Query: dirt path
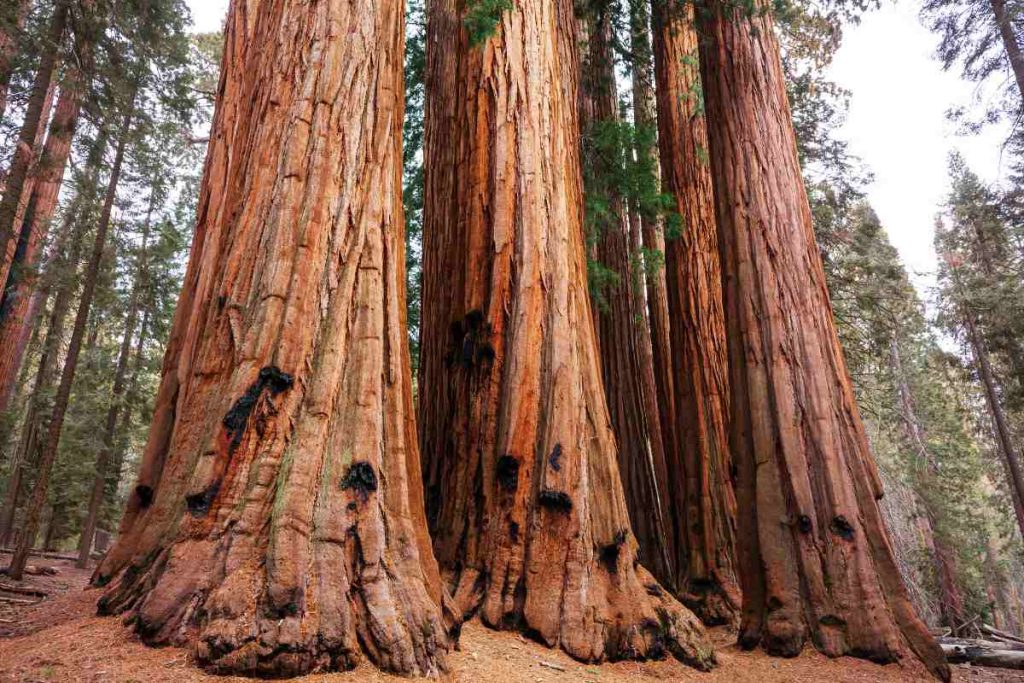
{"x":60,"y":639}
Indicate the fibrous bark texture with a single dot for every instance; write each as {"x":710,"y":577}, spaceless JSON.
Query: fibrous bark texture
{"x":278,"y":521}
{"x":15,"y":198}
{"x":700,"y":487}
{"x":524,"y":495}
{"x":652,"y":228}
{"x":46,"y":181}
{"x":623,"y":336}
{"x":12,"y":17}
{"x":814,"y":555}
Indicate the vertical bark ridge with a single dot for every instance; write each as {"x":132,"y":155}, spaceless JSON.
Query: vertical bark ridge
{"x":652,"y":236}
{"x":283,"y":531}
{"x":627,"y":370}
{"x":46,"y":181}
{"x":701,"y":487}
{"x":816,"y":561}
{"x":524,"y":497}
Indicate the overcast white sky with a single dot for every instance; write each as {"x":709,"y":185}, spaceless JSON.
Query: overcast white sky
{"x":896,"y":123}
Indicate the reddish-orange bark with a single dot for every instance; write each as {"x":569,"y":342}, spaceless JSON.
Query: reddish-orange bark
{"x":47,"y":177}
{"x":700,"y":490}
{"x":652,"y":230}
{"x":623,"y":335}
{"x":17,"y":188}
{"x":11,"y":21}
{"x":814,"y":555}
{"x":524,"y":494}
{"x":278,"y":522}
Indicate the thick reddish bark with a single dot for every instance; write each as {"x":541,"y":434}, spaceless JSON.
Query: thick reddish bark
{"x":15,"y":197}
{"x":285,"y":531}
{"x":700,"y":491}
{"x":524,"y":495}
{"x":48,"y":454}
{"x":814,"y":555}
{"x":652,"y":230}
{"x":11,"y":21}
{"x":221,"y":159}
{"x":47,"y":177}
{"x":623,"y":340}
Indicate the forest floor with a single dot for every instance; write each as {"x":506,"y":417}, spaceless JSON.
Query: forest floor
{"x":60,"y":639}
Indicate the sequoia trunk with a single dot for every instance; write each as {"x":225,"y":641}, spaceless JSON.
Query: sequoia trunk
{"x":700,"y":480}
{"x":524,"y":496}
{"x":624,"y":341}
{"x":278,"y":520}
{"x":12,"y":21}
{"x":652,"y":230}
{"x":14,"y":199}
{"x":16,"y":300}
{"x":814,"y":555}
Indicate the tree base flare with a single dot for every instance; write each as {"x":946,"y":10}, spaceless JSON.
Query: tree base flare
{"x":628,"y":616}
{"x":233,"y":628}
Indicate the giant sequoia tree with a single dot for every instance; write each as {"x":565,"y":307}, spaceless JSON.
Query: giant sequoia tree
{"x":700,"y":487}
{"x":278,"y":517}
{"x":623,"y":335}
{"x":815,"y":559}
{"x":524,"y":497}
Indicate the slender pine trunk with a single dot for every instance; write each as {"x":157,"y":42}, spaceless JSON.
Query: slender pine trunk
{"x":1009,"y":37}
{"x":34,"y":423}
{"x":116,"y":402}
{"x":60,"y":403}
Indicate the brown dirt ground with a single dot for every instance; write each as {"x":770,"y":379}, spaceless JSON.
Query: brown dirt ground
{"x":60,"y":639}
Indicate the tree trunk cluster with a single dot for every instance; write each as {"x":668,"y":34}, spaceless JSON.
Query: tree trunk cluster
{"x":602,"y":480}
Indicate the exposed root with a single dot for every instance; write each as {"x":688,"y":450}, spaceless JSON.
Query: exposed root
{"x":183,"y":597}
{"x":628,"y":616}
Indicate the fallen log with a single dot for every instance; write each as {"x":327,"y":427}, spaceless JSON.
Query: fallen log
{"x":1001,"y":635}
{"x":45,"y":554}
{"x":23,"y":590}
{"x":39,"y":570}
{"x":17,"y":601}
{"x":983,"y":644}
{"x":983,"y":656}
